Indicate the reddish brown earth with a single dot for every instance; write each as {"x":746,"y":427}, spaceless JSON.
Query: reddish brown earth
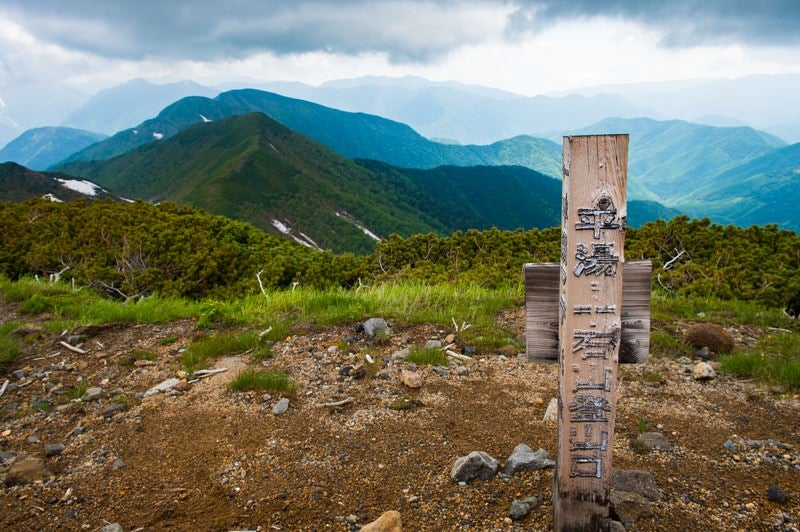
{"x":211,"y":459}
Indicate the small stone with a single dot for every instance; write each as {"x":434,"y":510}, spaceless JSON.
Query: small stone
{"x":164,"y":386}
{"x":113,"y":409}
{"x":524,"y":459}
{"x":636,"y":481}
{"x":401,"y":354}
{"x":117,"y":464}
{"x":143,"y":362}
{"x":551,"y":413}
{"x":630,"y":507}
{"x":388,"y":522}
{"x":281,"y":406}
{"x":729,"y":445}
{"x":703,"y":371}
{"x":182,"y":386}
{"x":32,"y":440}
{"x":476,"y":464}
{"x":521,"y":509}
{"x":113,"y":527}
{"x":54,"y":449}
{"x":433,"y":344}
{"x":412,"y":379}
{"x":450,"y":338}
{"x":648,"y":441}
{"x":26,"y":470}
{"x":703,"y":353}
{"x":441,"y":371}
{"x":470,"y":350}
{"x":376,"y":326}
{"x":19,"y":374}
{"x":775,"y":494}
{"x":7,"y":456}
{"x":92,"y":394}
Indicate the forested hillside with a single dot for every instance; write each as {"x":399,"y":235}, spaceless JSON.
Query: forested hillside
{"x":126,"y":250}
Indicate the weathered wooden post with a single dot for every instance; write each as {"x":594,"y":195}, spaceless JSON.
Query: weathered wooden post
{"x":590,"y":300}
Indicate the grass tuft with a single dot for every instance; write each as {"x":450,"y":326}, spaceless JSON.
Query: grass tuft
{"x":9,"y":346}
{"x":274,"y":381}
{"x":432,"y":357}
{"x":202,"y":350}
{"x":776,"y":358}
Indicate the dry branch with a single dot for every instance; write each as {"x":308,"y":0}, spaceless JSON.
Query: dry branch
{"x":73,"y":348}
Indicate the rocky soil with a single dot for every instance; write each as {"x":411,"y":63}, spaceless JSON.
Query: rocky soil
{"x":358,"y":441}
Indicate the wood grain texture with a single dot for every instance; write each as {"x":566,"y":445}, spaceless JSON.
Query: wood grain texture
{"x":541,"y":312}
{"x":590,"y":321}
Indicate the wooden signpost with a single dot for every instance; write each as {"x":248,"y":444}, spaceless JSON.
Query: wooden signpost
{"x":589,"y":326}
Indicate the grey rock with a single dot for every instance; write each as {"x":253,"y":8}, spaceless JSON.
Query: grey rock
{"x":401,"y":354}
{"x":703,"y":353}
{"x":476,"y":464}
{"x":26,"y":470}
{"x":19,"y":374}
{"x":54,"y":449}
{"x":433,"y":344}
{"x":441,"y":371}
{"x":118,"y":464}
{"x":113,"y":409}
{"x":524,"y":459}
{"x":281,"y":407}
{"x":470,"y":350}
{"x":551,"y":414}
{"x":77,"y":431}
{"x":636,"y":481}
{"x":93,"y":394}
{"x":649,"y":441}
{"x":729,"y":445}
{"x":702,"y":371}
{"x":32,"y":440}
{"x":113,"y":527}
{"x":376,"y":326}
{"x":775,"y":494}
{"x":521,"y":509}
{"x":7,"y":457}
{"x":629,"y":507}
{"x":162,"y":387}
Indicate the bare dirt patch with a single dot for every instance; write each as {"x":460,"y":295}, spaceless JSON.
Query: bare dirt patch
{"x":207,"y":458}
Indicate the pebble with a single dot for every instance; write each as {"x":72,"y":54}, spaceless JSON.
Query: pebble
{"x":54,"y":449}
{"x":281,"y":406}
{"x":388,"y":522}
{"x":92,"y":394}
{"x":703,"y":371}
{"x":164,"y":386}
{"x":521,"y":509}
{"x":118,"y":464}
{"x":476,"y":464}
{"x":524,"y":459}
{"x":26,"y":470}
{"x":412,"y":379}
{"x":776,"y":494}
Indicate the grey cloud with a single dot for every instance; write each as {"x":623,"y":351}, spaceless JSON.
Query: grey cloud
{"x":404,"y":29}
{"x":682,"y":22}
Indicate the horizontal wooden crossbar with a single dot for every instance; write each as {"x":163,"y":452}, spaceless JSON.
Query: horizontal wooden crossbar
{"x":541,"y":311}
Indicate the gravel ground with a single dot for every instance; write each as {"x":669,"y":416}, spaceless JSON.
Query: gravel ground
{"x":201,"y":457}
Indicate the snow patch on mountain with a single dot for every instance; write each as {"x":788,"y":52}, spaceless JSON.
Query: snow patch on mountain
{"x":300,"y":238}
{"x":80,"y":185}
{"x":350,"y":218}
{"x":158,"y":136}
{"x":204,"y":118}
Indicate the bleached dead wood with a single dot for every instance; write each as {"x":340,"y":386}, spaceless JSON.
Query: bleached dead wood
{"x":260,"y":284}
{"x":203,"y":373}
{"x":674,"y":259}
{"x":4,"y":387}
{"x":73,"y":348}
{"x":337,"y":403}
{"x":458,"y":356}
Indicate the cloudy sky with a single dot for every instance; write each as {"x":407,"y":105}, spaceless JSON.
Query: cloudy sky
{"x":526,"y":46}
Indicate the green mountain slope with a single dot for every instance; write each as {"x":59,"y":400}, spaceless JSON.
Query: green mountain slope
{"x":42,"y":147}
{"x":765,"y":190}
{"x":354,"y":135}
{"x":672,"y":159}
{"x":18,"y":183}
{"x":252,"y":168}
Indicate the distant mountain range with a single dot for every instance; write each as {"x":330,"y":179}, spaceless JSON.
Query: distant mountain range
{"x":42,"y":147}
{"x":122,"y":106}
{"x":354,"y":135}
{"x":676,"y":166}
